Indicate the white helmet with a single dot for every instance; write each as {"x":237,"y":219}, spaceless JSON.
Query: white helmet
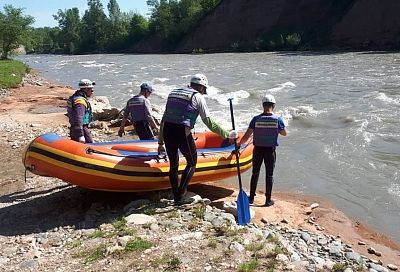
{"x":200,"y":79}
{"x":86,"y":83}
{"x":269,"y":98}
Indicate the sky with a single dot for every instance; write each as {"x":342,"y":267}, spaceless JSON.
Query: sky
{"x":43,"y":10}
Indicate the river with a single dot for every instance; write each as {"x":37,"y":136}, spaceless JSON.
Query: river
{"x":341,"y":110}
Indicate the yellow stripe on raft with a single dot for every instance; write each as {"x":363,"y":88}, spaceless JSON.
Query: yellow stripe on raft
{"x":92,"y":172}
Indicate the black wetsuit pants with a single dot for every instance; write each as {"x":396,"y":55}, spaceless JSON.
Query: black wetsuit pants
{"x":268,"y":156}
{"x":175,"y":139}
{"x":143,"y":130}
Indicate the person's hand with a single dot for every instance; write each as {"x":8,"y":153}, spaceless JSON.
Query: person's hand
{"x":81,"y":139}
{"x":121,"y":131}
{"x":161,"y":149}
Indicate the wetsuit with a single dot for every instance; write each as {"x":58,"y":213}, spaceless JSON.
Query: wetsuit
{"x":182,"y":109}
{"x":138,"y":110}
{"x":80,"y":115}
{"x":266,"y":127}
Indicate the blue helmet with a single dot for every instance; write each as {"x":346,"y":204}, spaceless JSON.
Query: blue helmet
{"x":146,"y":86}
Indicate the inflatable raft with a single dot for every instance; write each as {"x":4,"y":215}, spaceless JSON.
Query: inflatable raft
{"x":128,"y":166}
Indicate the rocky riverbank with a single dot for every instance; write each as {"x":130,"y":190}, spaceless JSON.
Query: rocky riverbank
{"x":47,"y":225}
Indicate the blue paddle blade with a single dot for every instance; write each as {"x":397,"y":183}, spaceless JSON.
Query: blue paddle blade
{"x":243,"y":208}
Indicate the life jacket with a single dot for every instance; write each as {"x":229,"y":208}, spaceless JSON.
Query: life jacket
{"x":266,"y":130}
{"x":79,"y":98}
{"x":136,"y":108}
{"x":179,"y":108}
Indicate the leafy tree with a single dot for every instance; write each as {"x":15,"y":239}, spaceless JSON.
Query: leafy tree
{"x":41,"y":40}
{"x":118,"y":30}
{"x":94,"y":27}
{"x":175,"y":18}
{"x":70,"y":24}
{"x":13,"y":25}
{"x":139,"y":28}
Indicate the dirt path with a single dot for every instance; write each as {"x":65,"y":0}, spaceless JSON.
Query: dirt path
{"x":46,"y":203}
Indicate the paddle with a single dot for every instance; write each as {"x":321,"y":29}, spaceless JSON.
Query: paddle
{"x":243,"y":207}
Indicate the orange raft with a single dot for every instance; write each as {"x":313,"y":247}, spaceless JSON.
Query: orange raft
{"x":128,"y":166}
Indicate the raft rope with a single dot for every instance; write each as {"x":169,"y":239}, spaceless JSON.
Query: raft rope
{"x":26,"y":152}
{"x":158,"y":158}
{"x":90,"y":150}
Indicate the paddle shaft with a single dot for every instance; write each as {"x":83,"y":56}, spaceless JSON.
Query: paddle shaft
{"x":236,"y":146}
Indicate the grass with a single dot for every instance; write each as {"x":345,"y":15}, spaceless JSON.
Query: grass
{"x":229,"y":231}
{"x":255,"y":246}
{"x":172,"y":263}
{"x":11,"y":73}
{"x":248,"y":266}
{"x":95,"y":255}
{"x":98,"y":234}
{"x":121,"y":228}
{"x":199,"y":211}
{"x":212,"y":243}
{"x":138,"y":244}
{"x":339,"y":267}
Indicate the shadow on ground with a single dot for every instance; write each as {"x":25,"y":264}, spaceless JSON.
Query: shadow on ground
{"x":41,"y":211}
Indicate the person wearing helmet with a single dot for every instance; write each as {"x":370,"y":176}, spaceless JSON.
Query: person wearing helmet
{"x":138,"y":110}
{"x":183,"y":107}
{"x":79,"y":112}
{"x":265,"y":128}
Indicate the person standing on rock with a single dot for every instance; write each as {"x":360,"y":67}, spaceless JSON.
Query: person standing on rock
{"x":265,"y":128}
{"x":183,"y":107}
{"x":80,"y":112}
{"x":138,"y":110}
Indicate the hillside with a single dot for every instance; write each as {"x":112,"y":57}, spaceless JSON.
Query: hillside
{"x":251,"y":25}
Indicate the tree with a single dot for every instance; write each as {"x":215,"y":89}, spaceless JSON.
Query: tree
{"x":13,"y":25}
{"x":139,"y":28}
{"x":70,"y":24}
{"x":118,"y":26}
{"x":94,"y":27}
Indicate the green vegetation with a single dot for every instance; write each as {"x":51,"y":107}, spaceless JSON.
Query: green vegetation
{"x":212,"y":243}
{"x":98,"y":234}
{"x":11,"y":73}
{"x":229,"y":231}
{"x":138,"y":244}
{"x":96,"y":254}
{"x":199,"y":211}
{"x":255,"y":246}
{"x":339,"y":267}
{"x":13,"y":25}
{"x":171,"y":262}
{"x":99,"y":31}
{"x":248,"y":266}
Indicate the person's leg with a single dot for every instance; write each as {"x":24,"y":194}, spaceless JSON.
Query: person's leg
{"x":188,"y":150}
{"x":73,"y":134}
{"x":87,"y":134}
{"x":269,"y":161}
{"x":257,"y":161}
{"x":143,"y":130}
{"x":171,"y":147}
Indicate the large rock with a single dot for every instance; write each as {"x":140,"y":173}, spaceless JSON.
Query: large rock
{"x":102,"y":109}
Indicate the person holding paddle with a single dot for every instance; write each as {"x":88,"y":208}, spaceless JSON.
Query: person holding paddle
{"x":265,"y":128}
{"x":183,"y":107}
